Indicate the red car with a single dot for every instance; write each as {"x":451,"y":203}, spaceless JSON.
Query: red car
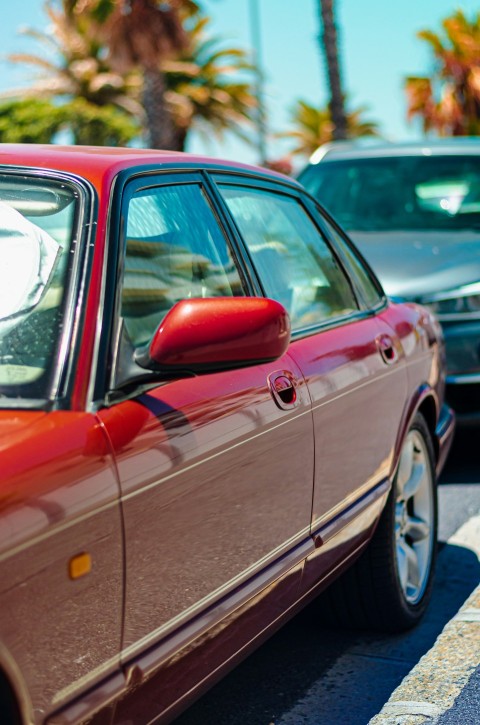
{"x":209,"y":412}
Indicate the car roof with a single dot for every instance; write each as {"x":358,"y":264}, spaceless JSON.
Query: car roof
{"x":100,"y":163}
{"x":376,"y":148}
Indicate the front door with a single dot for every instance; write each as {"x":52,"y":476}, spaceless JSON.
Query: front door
{"x":212,"y":493}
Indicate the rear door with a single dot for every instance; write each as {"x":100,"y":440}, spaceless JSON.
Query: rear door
{"x":212,"y":496}
{"x":352,"y":361}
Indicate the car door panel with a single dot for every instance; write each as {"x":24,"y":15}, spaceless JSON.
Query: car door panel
{"x":209,"y":497}
{"x":351,"y":360}
{"x":209,"y":493}
{"x":169,"y":676}
{"x":355,"y":410}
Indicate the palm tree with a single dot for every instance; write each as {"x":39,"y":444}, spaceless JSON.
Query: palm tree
{"x":329,"y":48}
{"x":202,"y":92}
{"x":198,"y":88}
{"x":141,"y":34}
{"x":314,"y":127}
{"x":79,"y":68}
{"x":448,"y":102}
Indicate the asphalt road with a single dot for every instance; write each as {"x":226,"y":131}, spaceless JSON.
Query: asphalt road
{"x":309,"y":675}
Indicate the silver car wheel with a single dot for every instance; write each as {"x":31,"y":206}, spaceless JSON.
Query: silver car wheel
{"x":414,"y":517}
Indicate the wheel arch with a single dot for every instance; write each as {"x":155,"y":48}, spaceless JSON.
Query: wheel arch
{"x":428,"y":409}
{"x":13,"y":691}
{"x":426,"y":403}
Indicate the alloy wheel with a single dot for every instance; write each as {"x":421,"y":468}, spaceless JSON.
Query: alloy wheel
{"x":414,"y":517}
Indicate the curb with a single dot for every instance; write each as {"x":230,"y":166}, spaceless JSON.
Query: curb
{"x":434,"y":684}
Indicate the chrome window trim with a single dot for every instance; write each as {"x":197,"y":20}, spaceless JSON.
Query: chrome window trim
{"x":454,"y":316}
{"x":79,"y":279}
{"x":91,"y":404}
{"x":463,"y":379}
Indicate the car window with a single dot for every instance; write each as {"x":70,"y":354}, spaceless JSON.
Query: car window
{"x":174,"y":250}
{"x":400,"y":192}
{"x":295,"y":264}
{"x":37,"y":227}
{"x":371,"y":291}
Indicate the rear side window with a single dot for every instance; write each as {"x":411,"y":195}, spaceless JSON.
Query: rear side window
{"x":369,"y":288}
{"x":295,"y":264}
{"x":175,"y":250}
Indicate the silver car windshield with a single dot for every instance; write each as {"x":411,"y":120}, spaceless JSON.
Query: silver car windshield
{"x":401,"y":193}
{"x":36,"y":230}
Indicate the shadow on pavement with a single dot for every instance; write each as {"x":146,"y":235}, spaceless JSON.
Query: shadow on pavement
{"x":344,"y":676}
{"x":339,"y":676}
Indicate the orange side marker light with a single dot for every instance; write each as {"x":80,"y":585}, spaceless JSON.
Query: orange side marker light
{"x":80,"y":565}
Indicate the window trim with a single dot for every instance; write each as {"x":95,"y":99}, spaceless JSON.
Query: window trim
{"x":323,"y":214}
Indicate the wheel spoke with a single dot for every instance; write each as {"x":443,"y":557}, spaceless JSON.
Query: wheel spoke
{"x":417,"y":529}
{"x":402,"y":559}
{"x":413,"y":568}
{"x":417,"y":476}
{"x":414,"y":516}
{"x":405,"y":465}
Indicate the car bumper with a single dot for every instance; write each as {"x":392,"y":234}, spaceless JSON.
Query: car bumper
{"x":463,"y":394}
{"x":444,"y":433}
{"x":462,"y":346}
{"x":462,"y":343}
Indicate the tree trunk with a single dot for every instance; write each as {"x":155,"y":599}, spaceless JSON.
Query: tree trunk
{"x":160,"y":127}
{"x":329,"y":49}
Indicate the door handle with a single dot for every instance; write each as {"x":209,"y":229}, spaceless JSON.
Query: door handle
{"x":387,"y":348}
{"x":282,"y":387}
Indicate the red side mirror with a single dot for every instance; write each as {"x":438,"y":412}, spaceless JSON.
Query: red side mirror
{"x":202,"y":335}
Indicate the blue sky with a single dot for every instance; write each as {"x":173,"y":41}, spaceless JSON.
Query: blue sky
{"x":378,"y":49}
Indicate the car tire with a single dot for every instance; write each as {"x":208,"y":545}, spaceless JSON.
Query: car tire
{"x":390,"y":585}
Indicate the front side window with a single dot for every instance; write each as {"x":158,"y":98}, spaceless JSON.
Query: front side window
{"x":175,"y":250}
{"x":37,"y":228}
{"x":295,"y":264}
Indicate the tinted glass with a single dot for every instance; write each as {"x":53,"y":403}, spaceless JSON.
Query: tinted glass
{"x":370,"y":290}
{"x":175,"y":250}
{"x":295,"y":264}
{"x":36,"y":232}
{"x":405,"y":192}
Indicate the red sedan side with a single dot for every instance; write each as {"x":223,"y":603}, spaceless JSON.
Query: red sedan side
{"x":209,"y":411}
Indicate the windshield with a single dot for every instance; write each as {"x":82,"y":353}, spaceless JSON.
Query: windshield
{"x":399,"y":193}
{"x":36,"y":229}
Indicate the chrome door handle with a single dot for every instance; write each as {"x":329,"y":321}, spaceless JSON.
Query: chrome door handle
{"x":386,"y":347}
{"x":282,"y":387}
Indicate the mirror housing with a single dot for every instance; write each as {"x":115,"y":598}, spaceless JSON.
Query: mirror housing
{"x":218,"y":333}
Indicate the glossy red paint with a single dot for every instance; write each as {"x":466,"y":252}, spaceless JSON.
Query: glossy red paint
{"x":222,"y":331}
{"x":100,"y":165}
{"x":197,"y":447}
{"x":213,"y":506}
{"x":58,"y":498}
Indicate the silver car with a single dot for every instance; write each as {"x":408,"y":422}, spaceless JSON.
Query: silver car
{"x":413,"y":210}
